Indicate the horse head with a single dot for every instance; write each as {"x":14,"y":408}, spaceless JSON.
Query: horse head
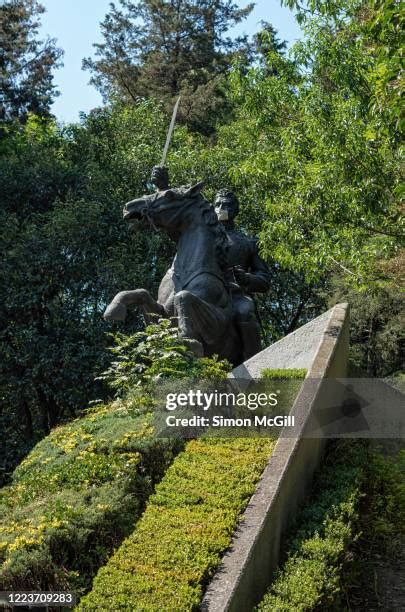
{"x":170,"y":210}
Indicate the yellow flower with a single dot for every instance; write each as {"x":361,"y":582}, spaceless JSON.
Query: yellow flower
{"x":23,"y":542}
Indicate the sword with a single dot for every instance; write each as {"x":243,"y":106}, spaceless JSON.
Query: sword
{"x":170,"y":132}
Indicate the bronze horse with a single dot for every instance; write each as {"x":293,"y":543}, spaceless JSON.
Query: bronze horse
{"x":194,"y":289}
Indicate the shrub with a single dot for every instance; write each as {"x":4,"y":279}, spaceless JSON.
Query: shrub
{"x":358,"y":502}
{"x":310,"y":577}
{"x":157,"y":352}
{"x":76,"y":495}
{"x":384,"y":517}
{"x":288,"y":385}
{"x":379,"y":549}
{"x":81,"y":490}
{"x":278,"y":374}
{"x":187,"y":525}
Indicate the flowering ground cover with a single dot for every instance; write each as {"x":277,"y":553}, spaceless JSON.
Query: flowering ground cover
{"x":77,"y":495}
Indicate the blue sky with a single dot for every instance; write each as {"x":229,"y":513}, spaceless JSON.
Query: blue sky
{"x":75,"y":25}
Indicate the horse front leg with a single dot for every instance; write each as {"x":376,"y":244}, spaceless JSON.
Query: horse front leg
{"x":117,"y":309}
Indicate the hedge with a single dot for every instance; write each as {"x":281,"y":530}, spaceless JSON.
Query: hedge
{"x":379,"y":547}
{"x":77,"y":495}
{"x":282,"y":374}
{"x":310,"y":576}
{"x":187,"y":525}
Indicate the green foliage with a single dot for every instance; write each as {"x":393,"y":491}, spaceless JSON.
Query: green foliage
{"x":381,"y":27}
{"x":357,"y":506}
{"x":187,"y":525}
{"x":383,"y":23}
{"x":274,"y":374}
{"x":290,"y":302}
{"x":26,"y":62}
{"x":35,"y":170}
{"x":384,"y":516}
{"x":307,"y":142}
{"x":64,"y":256}
{"x":288,"y":385}
{"x":381,"y":532}
{"x":77,"y":494}
{"x":82,"y":488}
{"x":377,"y":321}
{"x":157,"y":352}
{"x":266,"y":41}
{"x":162,"y":49}
{"x":309,"y":579}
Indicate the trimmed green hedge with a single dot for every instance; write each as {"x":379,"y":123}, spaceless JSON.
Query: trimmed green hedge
{"x":187,"y":525}
{"x":77,"y":495}
{"x":274,"y":374}
{"x":358,"y":505}
{"x":379,"y":547}
{"x":310,"y":577}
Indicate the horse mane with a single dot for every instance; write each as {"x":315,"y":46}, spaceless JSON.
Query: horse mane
{"x":193,"y":198}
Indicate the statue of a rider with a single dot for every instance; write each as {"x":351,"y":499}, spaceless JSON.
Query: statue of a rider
{"x":159,"y":178}
{"x":247,"y":274}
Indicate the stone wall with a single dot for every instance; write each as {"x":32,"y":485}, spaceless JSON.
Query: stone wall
{"x":321,"y":346}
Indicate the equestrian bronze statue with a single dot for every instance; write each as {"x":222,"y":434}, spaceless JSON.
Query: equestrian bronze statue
{"x":203,"y":289}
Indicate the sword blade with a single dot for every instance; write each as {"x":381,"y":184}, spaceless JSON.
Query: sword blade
{"x":170,"y":132}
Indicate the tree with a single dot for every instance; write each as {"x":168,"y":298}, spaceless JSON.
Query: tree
{"x":308,"y":141}
{"x":314,"y":153}
{"x":160,"y":48}
{"x":26,"y":63}
{"x":377,"y":322}
{"x":266,"y":42}
{"x":380,"y":25}
{"x":65,"y":253}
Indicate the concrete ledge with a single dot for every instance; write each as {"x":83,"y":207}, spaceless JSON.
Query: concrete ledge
{"x":246,"y":570}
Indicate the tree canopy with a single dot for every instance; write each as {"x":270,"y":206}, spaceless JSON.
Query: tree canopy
{"x":309,"y":143}
{"x":162,"y":49}
{"x":26,"y":63}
